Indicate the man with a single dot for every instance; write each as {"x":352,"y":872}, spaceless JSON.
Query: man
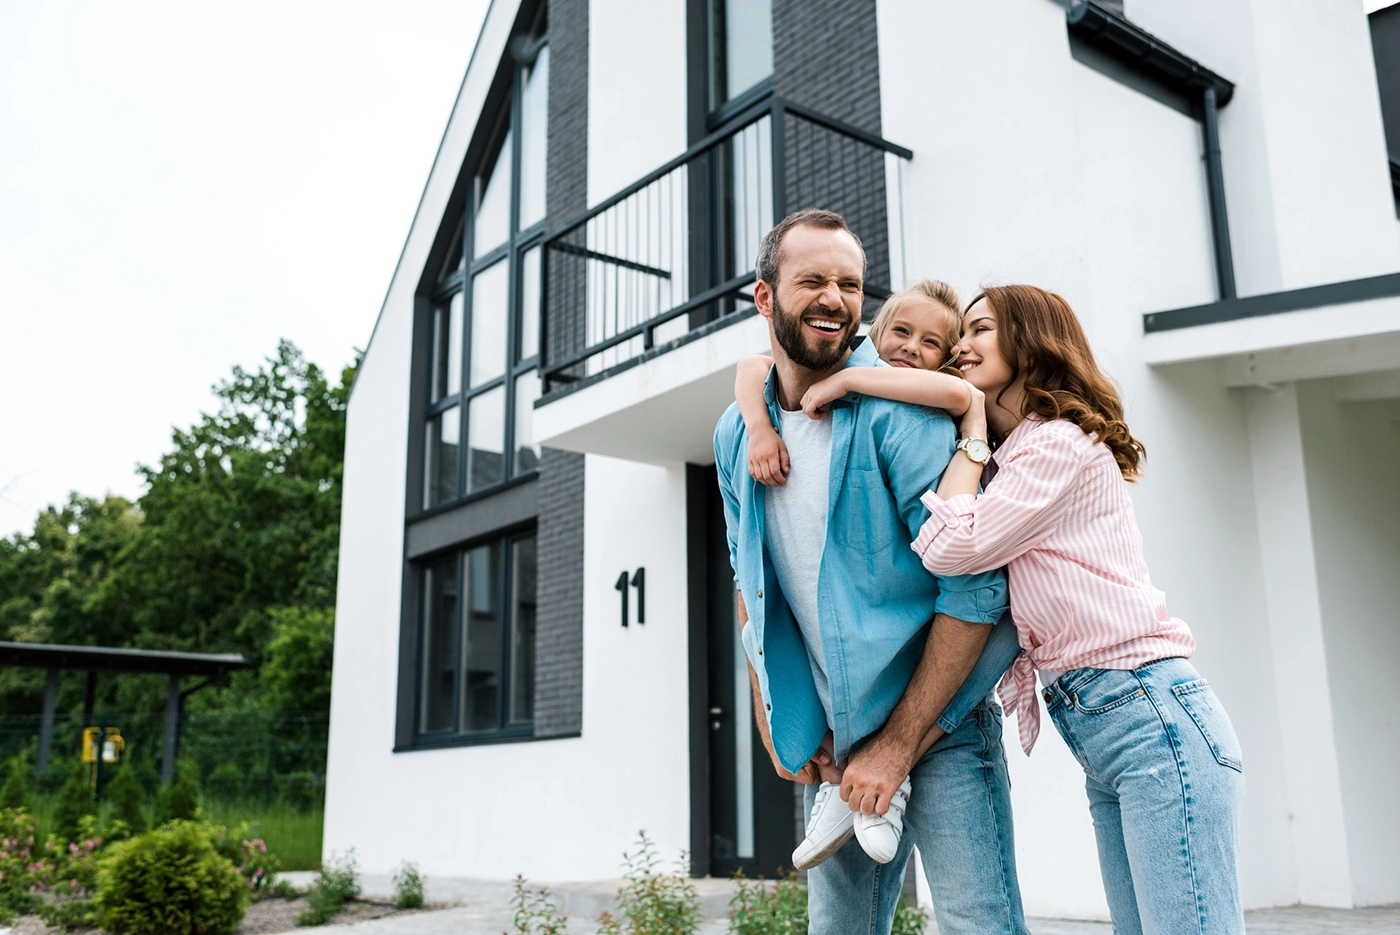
{"x":854,"y":649}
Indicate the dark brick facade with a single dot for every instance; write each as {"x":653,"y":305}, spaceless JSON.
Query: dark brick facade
{"x":559,"y":620}
{"x":826,"y":56}
{"x":559,"y":624}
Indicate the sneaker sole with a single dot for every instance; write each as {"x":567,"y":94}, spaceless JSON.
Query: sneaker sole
{"x":822,"y":854}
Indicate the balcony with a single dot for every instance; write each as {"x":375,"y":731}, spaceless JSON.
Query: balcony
{"x":647,"y":297}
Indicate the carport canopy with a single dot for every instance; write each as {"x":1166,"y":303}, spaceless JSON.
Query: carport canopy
{"x":94,"y":659}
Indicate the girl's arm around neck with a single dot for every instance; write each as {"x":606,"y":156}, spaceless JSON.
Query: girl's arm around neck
{"x":768,"y":456}
{"x":920,"y":387}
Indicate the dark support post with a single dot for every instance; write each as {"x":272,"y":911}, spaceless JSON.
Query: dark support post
{"x":172,"y":728}
{"x":46,"y":725}
{"x":89,"y":696}
{"x":778,"y":145}
{"x":1215,"y":184}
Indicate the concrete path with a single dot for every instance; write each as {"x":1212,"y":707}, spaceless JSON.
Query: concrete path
{"x":483,"y":908}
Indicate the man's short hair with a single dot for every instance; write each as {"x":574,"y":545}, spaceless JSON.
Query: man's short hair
{"x":770,"y":249}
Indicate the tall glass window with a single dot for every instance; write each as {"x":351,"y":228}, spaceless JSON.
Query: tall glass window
{"x":486,"y":304}
{"x":741,"y":47}
{"x":477,"y":656}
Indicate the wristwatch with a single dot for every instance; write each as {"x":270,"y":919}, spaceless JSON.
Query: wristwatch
{"x":976,"y":449}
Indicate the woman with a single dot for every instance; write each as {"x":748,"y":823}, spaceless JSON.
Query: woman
{"x":1160,"y":757}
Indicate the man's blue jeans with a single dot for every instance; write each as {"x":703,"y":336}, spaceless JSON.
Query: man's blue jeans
{"x":1165,"y":784}
{"x":959,"y":815}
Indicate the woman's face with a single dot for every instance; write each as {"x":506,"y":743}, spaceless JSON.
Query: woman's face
{"x":979,"y":355}
{"x":916,"y":336}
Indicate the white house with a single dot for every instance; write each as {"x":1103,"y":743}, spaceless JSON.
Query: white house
{"x":535,"y":647}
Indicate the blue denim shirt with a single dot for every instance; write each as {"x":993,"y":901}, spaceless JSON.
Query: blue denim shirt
{"x":875,"y":599}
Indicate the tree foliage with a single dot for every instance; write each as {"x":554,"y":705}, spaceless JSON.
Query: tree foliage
{"x":231,"y":548}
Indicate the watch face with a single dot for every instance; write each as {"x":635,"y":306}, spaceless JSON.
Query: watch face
{"x":978,"y":450}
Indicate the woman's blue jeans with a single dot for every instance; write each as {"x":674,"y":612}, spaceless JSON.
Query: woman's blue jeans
{"x":1165,"y":783}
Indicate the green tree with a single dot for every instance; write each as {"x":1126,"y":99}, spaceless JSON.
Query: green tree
{"x":296,"y":672}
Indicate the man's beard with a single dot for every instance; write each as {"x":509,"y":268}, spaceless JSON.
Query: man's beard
{"x":792,"y":338}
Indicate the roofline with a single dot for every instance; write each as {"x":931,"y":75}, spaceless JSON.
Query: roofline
{"x":1144,"y":53}
{"x":62,"y":656}
{"x":432,"y":170}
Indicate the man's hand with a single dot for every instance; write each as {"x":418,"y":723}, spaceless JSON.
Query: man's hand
{"x":874,"y":773}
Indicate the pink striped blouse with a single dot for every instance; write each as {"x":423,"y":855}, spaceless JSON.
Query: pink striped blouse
{"x":1059,"y":518}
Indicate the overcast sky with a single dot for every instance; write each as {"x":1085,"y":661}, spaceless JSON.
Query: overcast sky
{"x":181,"y":184}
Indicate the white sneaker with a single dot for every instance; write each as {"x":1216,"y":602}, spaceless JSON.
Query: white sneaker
{"x":831,"y":825}
{"x":879,"y":834}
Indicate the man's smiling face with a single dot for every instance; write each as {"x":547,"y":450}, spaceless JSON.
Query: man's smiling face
{"x":816,"y":308}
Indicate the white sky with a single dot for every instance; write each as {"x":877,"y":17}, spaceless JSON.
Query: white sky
{"x":181,"y":184}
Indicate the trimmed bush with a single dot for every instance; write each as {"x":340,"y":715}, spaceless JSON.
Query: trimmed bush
{"x":169,"y":881}
{"x":226,"y":783}
{"x":126,"y":795}
{"x":16,"y":784}
{"x":74,"y":802}
{"x":179,"y":801}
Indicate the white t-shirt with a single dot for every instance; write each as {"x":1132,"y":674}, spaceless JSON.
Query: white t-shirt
{"x":794,"y":517}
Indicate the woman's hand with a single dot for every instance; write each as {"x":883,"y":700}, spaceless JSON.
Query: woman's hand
{"x":823,"y":392}
{"x":973,"y":423}
{"x":768,"y":458}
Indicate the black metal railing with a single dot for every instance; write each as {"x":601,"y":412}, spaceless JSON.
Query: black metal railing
{"x":673,"y":253}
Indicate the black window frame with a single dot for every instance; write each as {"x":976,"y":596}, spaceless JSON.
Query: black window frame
{"x":446,"y":285}
{"x":505,"y":730}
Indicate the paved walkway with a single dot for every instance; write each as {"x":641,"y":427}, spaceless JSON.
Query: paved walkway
{"x":483,"y":908}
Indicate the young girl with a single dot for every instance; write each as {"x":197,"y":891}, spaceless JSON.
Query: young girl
{"x":1162,"y":765}
{"x":914,"y":333}
{"x":916,"y":329}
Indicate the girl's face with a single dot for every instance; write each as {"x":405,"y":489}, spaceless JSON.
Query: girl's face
{"x":979,"y":355}
{"x":917,"y":336}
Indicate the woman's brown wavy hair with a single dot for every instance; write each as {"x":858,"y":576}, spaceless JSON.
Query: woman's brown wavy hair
{"x":1040,"y":337}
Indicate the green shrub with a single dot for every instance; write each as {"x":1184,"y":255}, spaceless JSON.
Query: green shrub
{"x":74,"y":801}
{"x":336,"y":884}
{"x":535,"y":914}
{"x":179,"y":800}
{"x":226,"y":783}
{"x":19,"y":862}
{"x":169,"y":881}
{"x":652,"y":903}
{"x":249,"y":855}
{"x":759,"y":908}
{"x":16,"y":783}
{"x":300,"y":790}
{"x":126,"y":795}
{"x":408,"y":887}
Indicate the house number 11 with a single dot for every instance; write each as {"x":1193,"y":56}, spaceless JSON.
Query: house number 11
{"x":639,"y":581}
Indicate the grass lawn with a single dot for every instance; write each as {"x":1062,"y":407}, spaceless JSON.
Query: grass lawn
{"x":293,"y":835}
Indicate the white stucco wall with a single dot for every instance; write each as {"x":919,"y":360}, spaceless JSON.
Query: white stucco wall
{"x":1305,"y":207}
{"x":1350,"y":451}
{"x":1030,"y":167}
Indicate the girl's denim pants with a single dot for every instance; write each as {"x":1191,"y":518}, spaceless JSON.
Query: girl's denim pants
{"x":1165,"y":783}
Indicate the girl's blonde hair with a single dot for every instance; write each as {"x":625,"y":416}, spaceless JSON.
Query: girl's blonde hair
{"x":925,"y":290}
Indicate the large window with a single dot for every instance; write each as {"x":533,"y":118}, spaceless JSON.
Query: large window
{"x":485,"y":306}
{"x":477,"y":658}
{"x":740,"y":48}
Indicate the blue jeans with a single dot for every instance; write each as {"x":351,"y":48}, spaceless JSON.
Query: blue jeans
{"x":1165,"y":784}
{"x":959,"y":815}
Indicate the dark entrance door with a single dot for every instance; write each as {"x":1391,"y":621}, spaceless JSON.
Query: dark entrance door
{"x":751,"y":812}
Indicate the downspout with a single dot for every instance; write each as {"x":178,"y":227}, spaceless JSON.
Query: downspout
{"x":1215,"y":185}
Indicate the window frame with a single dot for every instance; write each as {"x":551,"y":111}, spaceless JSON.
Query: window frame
{"x":444,"y":287}
{"x":504,"y":731}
